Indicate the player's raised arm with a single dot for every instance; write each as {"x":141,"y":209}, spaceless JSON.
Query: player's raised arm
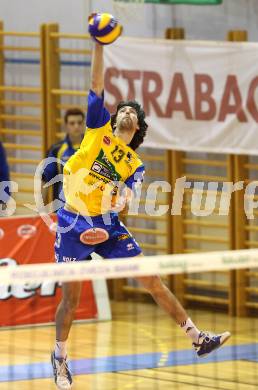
{"x":104,"y":30}
{"x":97,"y":70}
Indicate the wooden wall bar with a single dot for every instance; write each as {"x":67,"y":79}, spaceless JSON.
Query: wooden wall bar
{"x":23,"y":134}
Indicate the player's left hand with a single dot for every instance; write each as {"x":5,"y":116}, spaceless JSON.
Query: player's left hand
{"x":122,"y":200}
{"x":91,"y":16}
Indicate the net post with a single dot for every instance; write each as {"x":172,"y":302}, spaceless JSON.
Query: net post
{"x":175,"y":168}
{"x":1,"y":72}
{"x":238,"y":209}
{"x":53,"y":82}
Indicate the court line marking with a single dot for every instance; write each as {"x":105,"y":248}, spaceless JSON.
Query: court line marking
{"x":174,"y":381}
{"x":193,"y":375}
{"x":129,"y":362}
{"x":161,"y":345}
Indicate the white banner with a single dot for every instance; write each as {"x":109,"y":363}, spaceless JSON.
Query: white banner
{"x":131,"y":267}
{"x":198,"y":96}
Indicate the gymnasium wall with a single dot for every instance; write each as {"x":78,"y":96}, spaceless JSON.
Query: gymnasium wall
{"x":199,"y":22}
{"x":209,"y":22}
{"x":27,"y":15}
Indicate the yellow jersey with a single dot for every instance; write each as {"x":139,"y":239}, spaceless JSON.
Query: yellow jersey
{"x":95,"y":173}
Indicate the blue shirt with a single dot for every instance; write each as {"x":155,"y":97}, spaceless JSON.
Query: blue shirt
{"x":4,"y":174}
{"x":62,"y":151}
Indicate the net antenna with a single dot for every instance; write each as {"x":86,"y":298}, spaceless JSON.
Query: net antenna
{"x":129,"y":10}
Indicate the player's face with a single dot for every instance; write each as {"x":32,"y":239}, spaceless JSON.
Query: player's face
{"x":127,"y":119}
{"x":75,"y":125}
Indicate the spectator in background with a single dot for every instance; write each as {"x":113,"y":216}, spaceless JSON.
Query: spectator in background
{"x":4,"y":176}
{"x":74,"y":119}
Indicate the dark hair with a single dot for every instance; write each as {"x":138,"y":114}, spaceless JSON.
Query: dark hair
{"x":73,"y":111}
{"x":141,"y":133}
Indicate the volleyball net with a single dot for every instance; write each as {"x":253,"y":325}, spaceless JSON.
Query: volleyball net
{"x":138,"y":346}
{"x":128,"y":267}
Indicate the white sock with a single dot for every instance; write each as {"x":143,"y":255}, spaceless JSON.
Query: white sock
{"x":191,"y":330}
{"x":60,"y":349}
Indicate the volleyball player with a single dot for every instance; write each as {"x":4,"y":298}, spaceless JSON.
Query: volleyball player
{"x":61,"y":151}
{"x":107,"y":155}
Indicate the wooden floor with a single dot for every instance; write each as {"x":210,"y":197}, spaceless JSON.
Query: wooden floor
{"x":140,"y":329}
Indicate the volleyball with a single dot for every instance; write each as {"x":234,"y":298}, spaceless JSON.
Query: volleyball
{"x":104,"y":28}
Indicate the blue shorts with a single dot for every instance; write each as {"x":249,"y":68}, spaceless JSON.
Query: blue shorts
{"x":69,"y":247}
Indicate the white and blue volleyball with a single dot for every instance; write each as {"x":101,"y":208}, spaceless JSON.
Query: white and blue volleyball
{"x":104,"y":28}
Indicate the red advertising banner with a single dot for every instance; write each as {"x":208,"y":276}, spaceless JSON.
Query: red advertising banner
{"x":28,"y":240}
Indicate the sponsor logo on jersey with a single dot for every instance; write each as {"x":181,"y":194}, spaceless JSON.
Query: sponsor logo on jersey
{"x":107,"y":140}
{"x":130,"y":246}
{"x":123,"y":236}
{"x":26,"y":231}
{"x":94,"y":236}
{"x":101,"y":170}
{"x":108,"y":169}
{"x":67,"y":259}
{"x":128,"y":158}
